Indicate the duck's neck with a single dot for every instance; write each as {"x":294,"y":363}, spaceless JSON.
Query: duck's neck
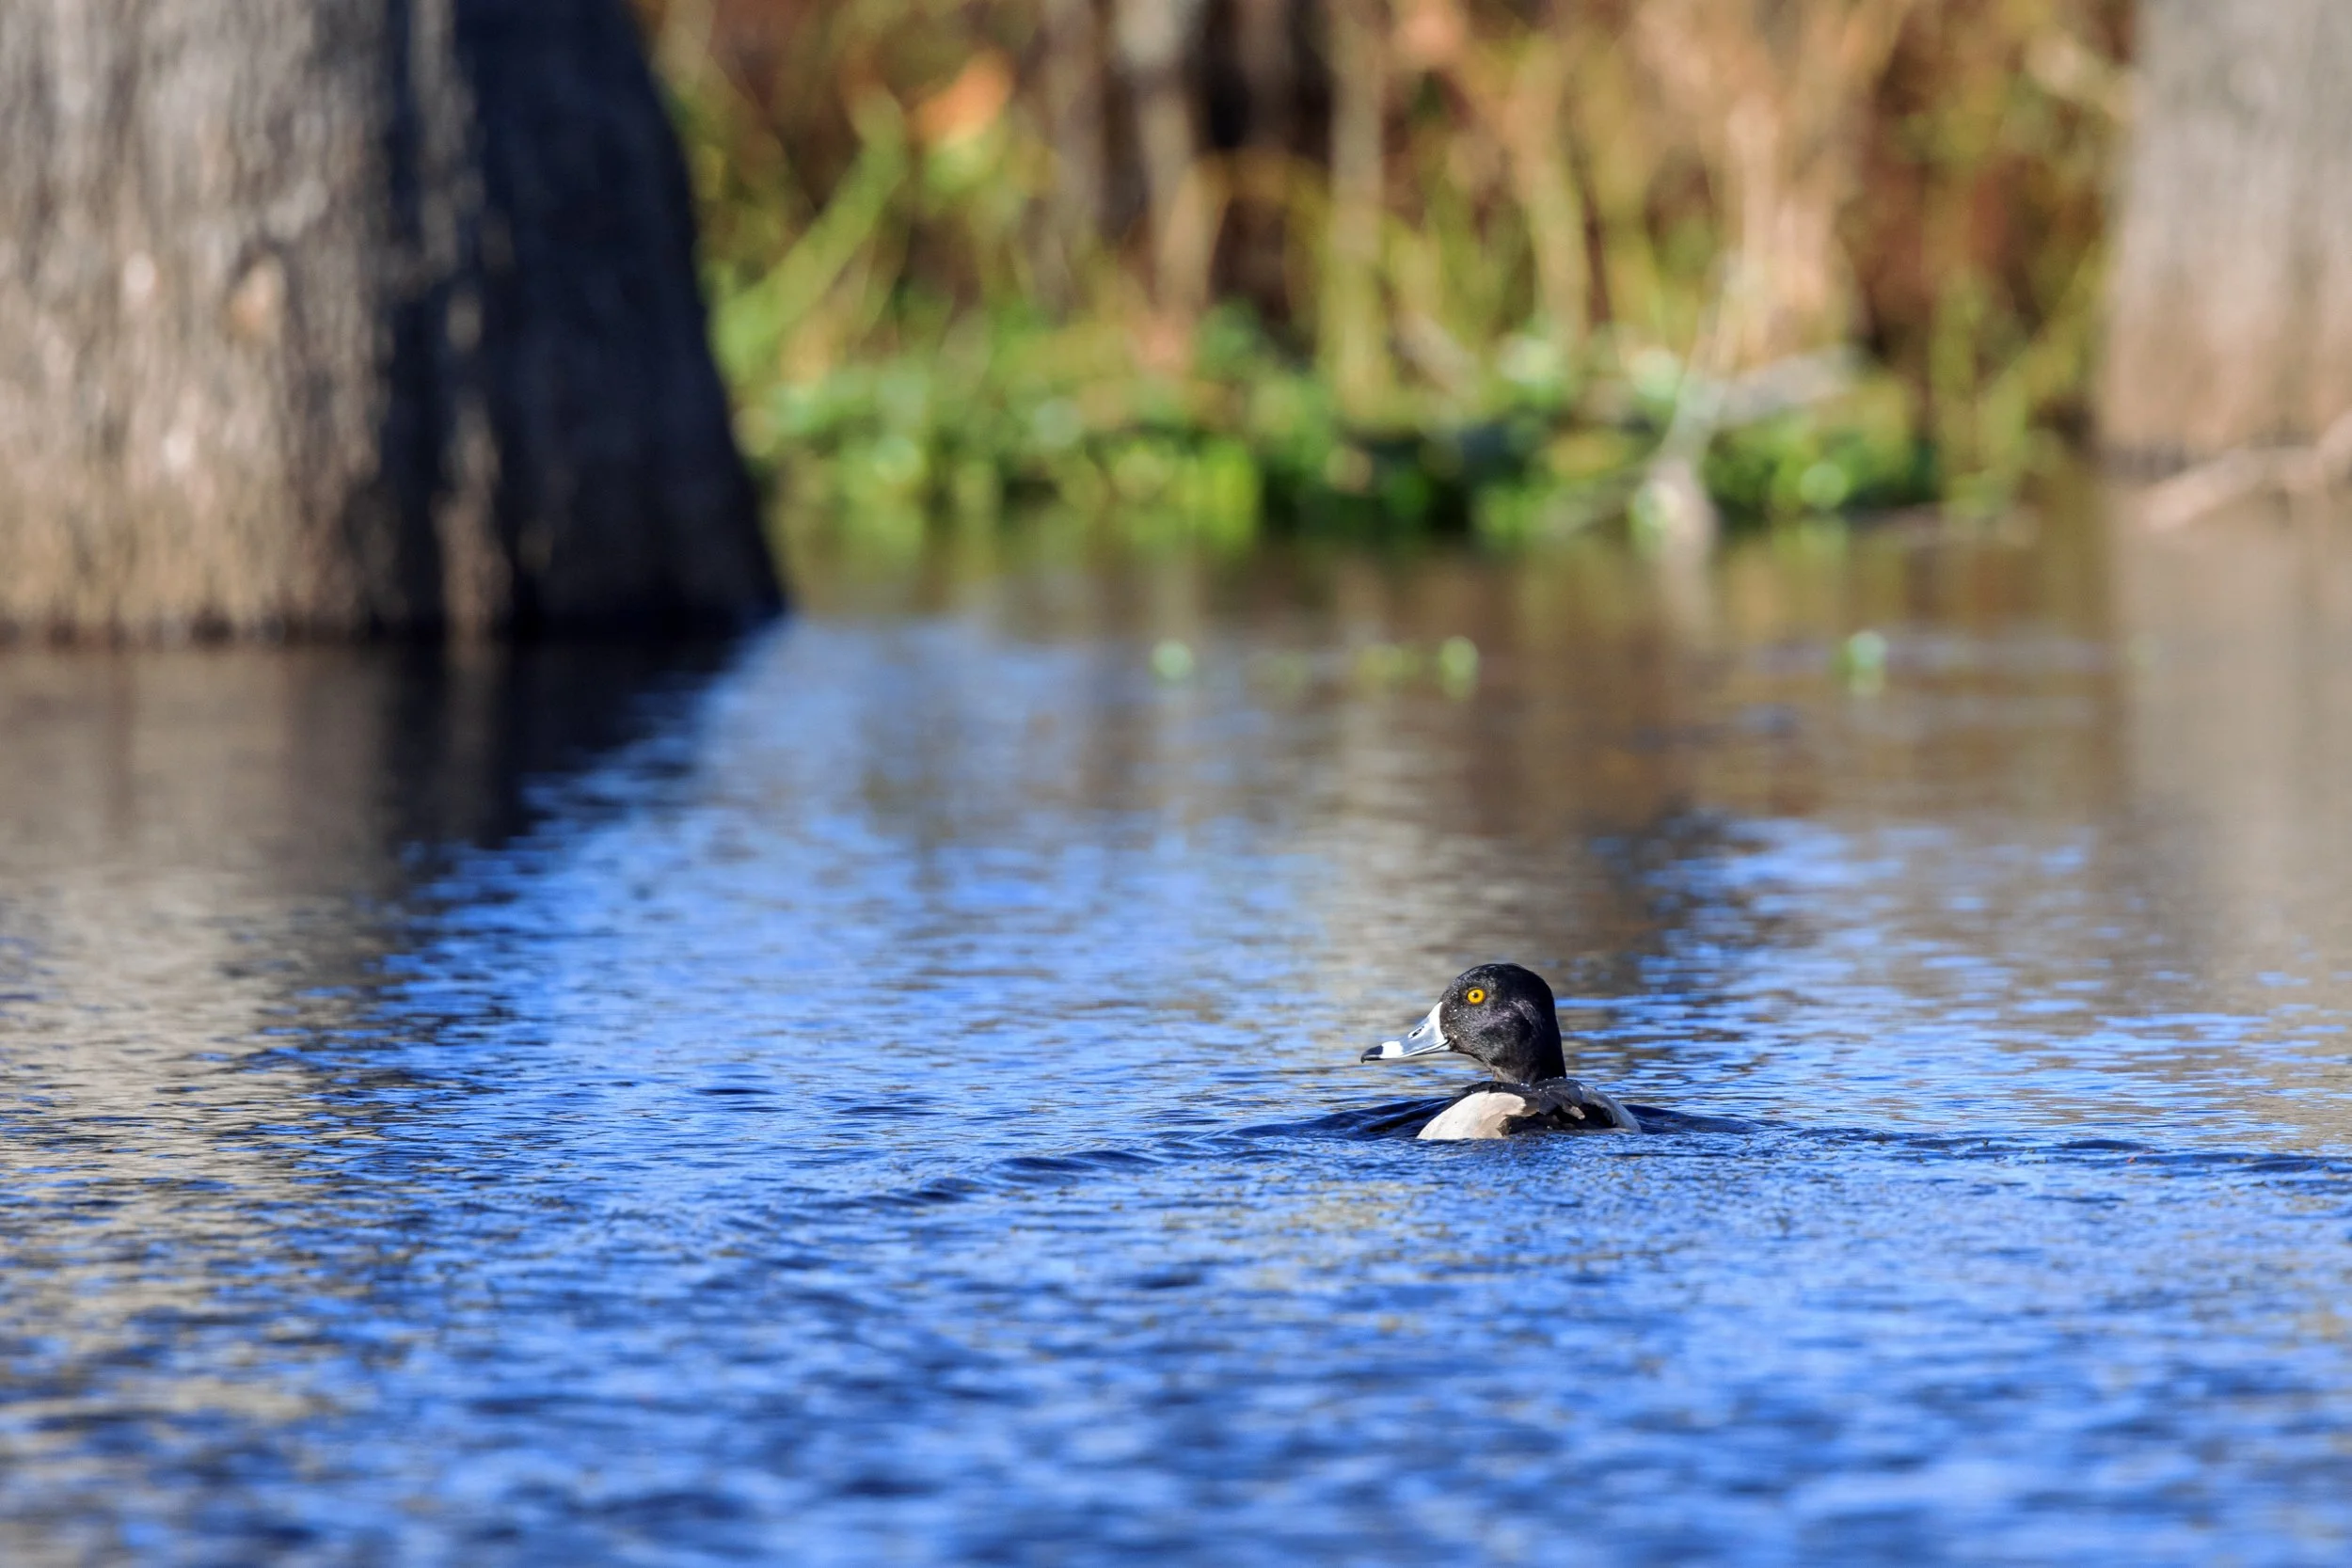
{"x":1534,"y":1061}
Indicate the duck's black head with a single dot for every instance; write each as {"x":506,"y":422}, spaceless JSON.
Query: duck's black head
{"x":1500,"y":1015}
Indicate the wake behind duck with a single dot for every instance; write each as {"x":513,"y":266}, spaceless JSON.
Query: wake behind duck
{"x":1504,"y":1018}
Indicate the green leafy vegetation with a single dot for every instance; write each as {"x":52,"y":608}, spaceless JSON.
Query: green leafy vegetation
{"x":1451,"y":267}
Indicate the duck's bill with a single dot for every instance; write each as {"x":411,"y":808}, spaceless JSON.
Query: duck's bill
{"x":1426,"y":1039}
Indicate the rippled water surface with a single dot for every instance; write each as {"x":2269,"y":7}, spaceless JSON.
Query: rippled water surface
{"x":888,"y":1091}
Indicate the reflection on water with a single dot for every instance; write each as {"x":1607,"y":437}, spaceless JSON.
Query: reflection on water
{"x":890,"y":1089}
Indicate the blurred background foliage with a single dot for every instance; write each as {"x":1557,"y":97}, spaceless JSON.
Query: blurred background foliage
{"x":1199,"y":269}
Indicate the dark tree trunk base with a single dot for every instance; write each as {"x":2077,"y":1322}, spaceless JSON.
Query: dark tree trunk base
{"x":341,"y":317}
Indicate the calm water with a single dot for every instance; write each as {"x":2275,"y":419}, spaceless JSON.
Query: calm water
{"x":889,"y":1091}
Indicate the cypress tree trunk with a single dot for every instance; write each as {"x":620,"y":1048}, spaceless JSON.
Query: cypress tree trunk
{"x":2230,"y":297}
{"x":348,"y":316}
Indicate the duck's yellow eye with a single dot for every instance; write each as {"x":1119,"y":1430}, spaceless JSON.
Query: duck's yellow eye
{"x":1474,"y":995}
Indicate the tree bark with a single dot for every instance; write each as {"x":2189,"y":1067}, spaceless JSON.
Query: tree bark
{"x":2230,"y":305}
{"x":347,"y":316}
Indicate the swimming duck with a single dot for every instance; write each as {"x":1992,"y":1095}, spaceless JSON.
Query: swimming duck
{"x":1504,"y":1018}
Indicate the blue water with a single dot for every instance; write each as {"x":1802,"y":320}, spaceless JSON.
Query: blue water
{"x":888,"y":1091}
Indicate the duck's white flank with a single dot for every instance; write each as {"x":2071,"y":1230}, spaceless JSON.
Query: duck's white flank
{"x":1481,"y":1116}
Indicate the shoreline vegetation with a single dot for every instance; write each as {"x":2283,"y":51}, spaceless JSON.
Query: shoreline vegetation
{"x":1371,"y":270}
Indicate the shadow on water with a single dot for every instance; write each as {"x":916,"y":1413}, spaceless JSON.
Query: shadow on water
{"x":475,"y":741}
{"x":197,"y":839}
